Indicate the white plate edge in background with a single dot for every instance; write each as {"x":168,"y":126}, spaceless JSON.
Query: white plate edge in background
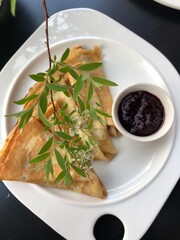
{"x":170,"y":3}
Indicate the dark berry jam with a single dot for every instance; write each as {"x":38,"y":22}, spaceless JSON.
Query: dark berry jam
{"x":141,"y":113}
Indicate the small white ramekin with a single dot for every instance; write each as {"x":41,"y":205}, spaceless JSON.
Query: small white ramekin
{"x":163,"y":97}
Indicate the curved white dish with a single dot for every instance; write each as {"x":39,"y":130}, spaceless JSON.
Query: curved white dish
{"x":127,"y":59}
{"x":170,"y":3}
{"x":131,"y":170}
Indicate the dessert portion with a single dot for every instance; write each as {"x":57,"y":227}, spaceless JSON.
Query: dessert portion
{"x":23,"y":155}
{"x":23,"y":145}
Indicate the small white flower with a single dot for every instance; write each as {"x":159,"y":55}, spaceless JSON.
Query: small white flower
{"x":90,"y":157}
{"x":93,"y":150}
{"x":85,"y":113}
{"x":77,"y":129}
{"x":71,"y":160}
{"x":71,"y":132}
{"x":79,"y":121}
{"x":84,"y":125}
{"x":80,"y":152}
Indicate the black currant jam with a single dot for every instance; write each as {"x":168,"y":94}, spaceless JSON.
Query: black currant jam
{"x":141,"y":113}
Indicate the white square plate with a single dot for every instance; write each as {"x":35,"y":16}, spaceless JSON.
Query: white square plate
{"x":142,"y":175}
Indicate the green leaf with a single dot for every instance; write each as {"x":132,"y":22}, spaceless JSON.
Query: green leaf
{"x":60,"y":160}
{"x":54,"y":58}
{"x":46,"y":90}
{"x":90,"y":66}
{"x":21,"y":122}
{"x":78,"y":170}
{"x":60,"y":177}
{"x":86,"y":76}
{"x":40,"y":157}
{"x":93,"y":113}
{"x":98,"y":104}
{"x":42,"y":117}
{"x":64,"y":107}
{"x":57,"y":87}
{"x":13,"y":7}
{"x":65,"y":55}
{"x":58,"y":79}
{"x":42,"y":74}
{"x":25,"y":118}
{"x":47,"y":129}
{"x":46,"y":146}
{"x":67,"y":119}
{"x":81,"y":104}
{"x":103,"y":113}
{"x":51,"y":71}
{"x":56,"y":120}
{"x":37,"y":77}
{"x":78,"y":86}
{"x":87,"y":106}
{"x":63,"y":135}
{"x":18,"y":114}
{"x":67,"y":179}
{"x":66,"y":92}
{"x":52,"y":79}
{"x":90,"y":92}
{"x":26,"y":99}
{"x":73,"y":73}
{"x":64,"y":69}
{"x":104,"y":82}
{"x":101,"y":120}
{"x":77,"y":140}
{"x":43,"y":102}
{"x":48,"y":168}
{"x":88,"y":145}
{"x":72,"y":112}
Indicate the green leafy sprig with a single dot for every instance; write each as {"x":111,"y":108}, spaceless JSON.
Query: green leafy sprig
{"x":71,"y":143}
{"x":70,"y":133}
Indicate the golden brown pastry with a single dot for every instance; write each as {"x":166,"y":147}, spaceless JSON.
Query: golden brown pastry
{"x":79,"y":55}
{"x":102,"y":133}
{"x":23,"y":145}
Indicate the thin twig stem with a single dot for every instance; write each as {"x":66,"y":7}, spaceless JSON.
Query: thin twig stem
{"x":46,"y":30}
{"x":49,"y":52}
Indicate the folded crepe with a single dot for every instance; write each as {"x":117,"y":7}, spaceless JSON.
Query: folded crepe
{"x":23,"y":145}
{"x":105,"y":149}
{"x":99,"y":130}
{"x":78,"y":56}
{"x":102,"y":133}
